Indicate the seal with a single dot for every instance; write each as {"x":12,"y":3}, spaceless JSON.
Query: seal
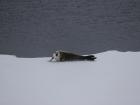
{"x":59,"y":56}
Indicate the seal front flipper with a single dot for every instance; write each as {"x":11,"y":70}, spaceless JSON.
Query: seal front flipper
{"x":89,"y":57}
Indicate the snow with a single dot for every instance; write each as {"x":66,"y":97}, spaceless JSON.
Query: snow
{"x":113,"y":79}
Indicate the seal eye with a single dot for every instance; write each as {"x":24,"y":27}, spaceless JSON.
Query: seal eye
{"x":56,"y":54}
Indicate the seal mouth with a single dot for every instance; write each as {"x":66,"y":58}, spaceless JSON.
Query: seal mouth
{"x":51,"y":59}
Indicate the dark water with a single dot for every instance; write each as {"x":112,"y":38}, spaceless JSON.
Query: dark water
{"x":36,"y":28}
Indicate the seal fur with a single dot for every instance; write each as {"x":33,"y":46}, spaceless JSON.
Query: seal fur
{"x":68,"y":56}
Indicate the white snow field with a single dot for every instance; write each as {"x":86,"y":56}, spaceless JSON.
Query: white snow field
{"x":113,"y":79}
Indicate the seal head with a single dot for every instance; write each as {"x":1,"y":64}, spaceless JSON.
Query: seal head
{"x":56,"y":56}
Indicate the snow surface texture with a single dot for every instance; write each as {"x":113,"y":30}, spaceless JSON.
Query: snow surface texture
{"x":113,"y":79}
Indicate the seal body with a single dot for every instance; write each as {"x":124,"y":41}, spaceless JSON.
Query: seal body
{"x":68,"y":56}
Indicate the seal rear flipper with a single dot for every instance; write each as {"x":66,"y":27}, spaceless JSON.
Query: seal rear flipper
{"x":90,"y":57}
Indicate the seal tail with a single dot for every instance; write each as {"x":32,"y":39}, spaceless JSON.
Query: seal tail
{"x":90,"y":57}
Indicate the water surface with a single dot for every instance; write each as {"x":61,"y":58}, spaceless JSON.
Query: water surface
{"x":36,"y":28}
